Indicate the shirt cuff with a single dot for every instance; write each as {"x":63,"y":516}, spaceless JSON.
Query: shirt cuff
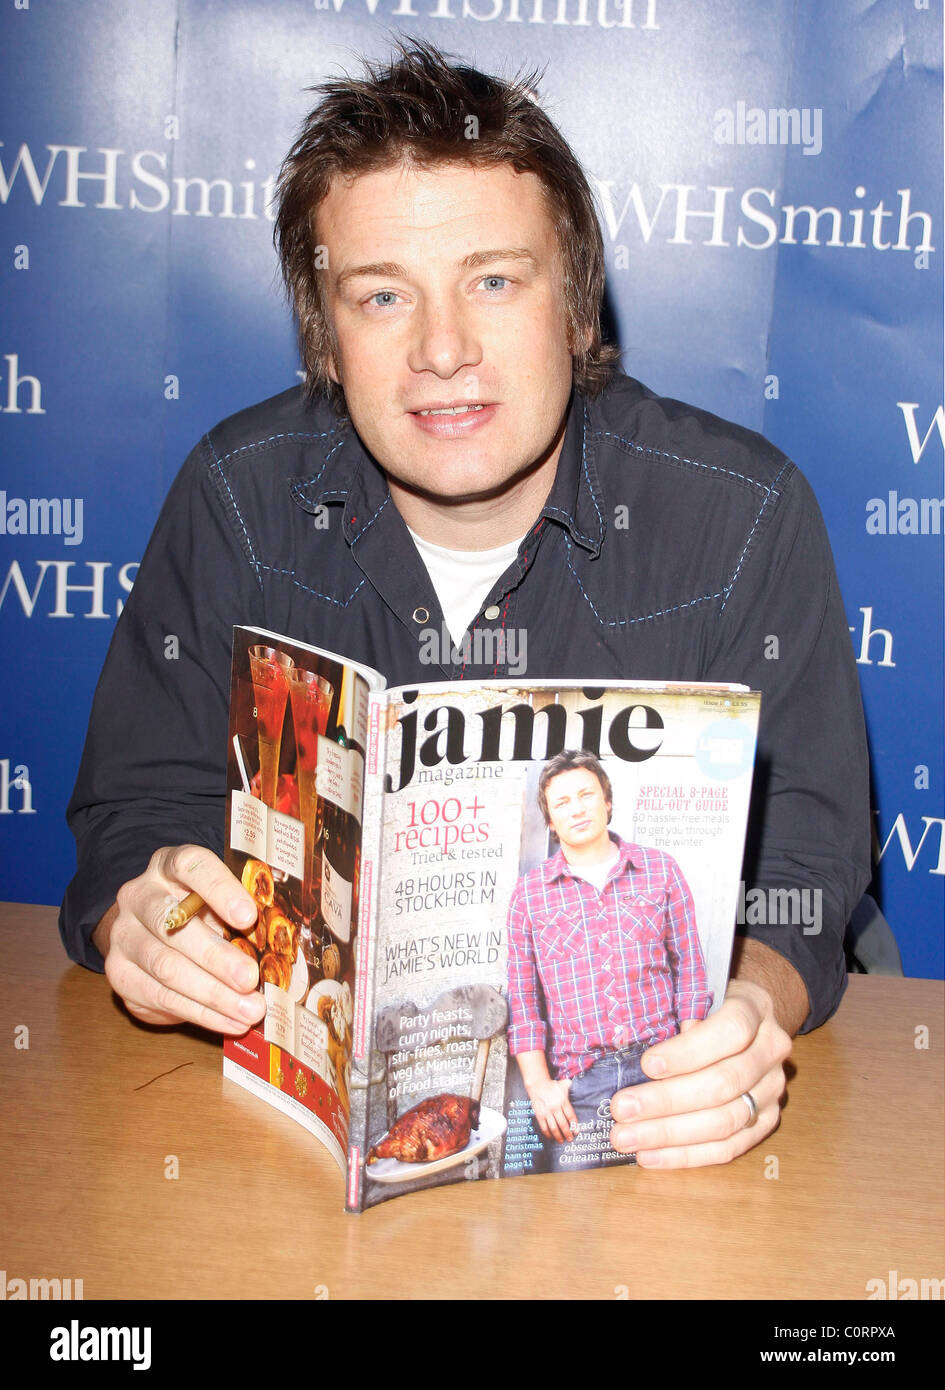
{"x":695,"y":1005}
{"x":76,"y":925}
{"x":527,"y":1037}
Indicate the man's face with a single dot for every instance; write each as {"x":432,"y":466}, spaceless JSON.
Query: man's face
{"x":577,"y":808}
{"x":445,"y":291}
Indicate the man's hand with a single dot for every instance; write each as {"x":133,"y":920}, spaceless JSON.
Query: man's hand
{"x":553,"y":1110}
{"x":694,"y":1113}
{"x":195,"y":974}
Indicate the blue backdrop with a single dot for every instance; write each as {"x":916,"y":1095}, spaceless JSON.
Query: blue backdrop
{"x":769,"y":180}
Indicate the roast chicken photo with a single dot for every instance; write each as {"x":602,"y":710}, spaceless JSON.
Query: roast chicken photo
{"x":438,"y":1126}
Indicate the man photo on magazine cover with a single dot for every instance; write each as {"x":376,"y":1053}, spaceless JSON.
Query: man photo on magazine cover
{"x":603,"y":955}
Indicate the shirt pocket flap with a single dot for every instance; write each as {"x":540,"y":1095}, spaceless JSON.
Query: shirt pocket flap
{"x":561,"y":937}
{"x":641,"y":914}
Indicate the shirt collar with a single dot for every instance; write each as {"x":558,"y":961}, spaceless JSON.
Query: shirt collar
{"x":348,"y":475}
{"x":557,"y":866}
{"x":575,"y":499}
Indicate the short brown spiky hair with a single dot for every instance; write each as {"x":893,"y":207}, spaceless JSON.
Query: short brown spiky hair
{"x":570,"y":761}
{"x":422,"y":109}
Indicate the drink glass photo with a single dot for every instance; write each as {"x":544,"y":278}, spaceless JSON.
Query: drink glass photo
{"x":311,"y":697}
{"x":269,"y":668}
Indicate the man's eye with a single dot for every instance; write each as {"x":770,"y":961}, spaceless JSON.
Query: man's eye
{"x":383,"y":299}
{"x":495,"y":282}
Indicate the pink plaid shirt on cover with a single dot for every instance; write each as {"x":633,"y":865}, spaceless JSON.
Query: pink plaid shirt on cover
{"x":613,"y":968}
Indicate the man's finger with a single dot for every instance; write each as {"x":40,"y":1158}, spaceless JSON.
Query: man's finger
{"x":700,"y":1090}
{"x":722,"y":1151}
{"x":711,"y":1086}
{"x":554,"y":1127}
{"x":564,"y":1124}
{"x":543,"y":1125}
{"x":173,"y":976}
{"x":698,"y":1127}
{"x":156,"y":1003}
{"x":200,"y":869}
{"x":199,"y":941}
{"x":730,"y":1030}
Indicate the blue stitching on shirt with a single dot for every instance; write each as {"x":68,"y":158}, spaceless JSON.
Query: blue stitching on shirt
{"x":293,"y":434}
{"x":725,"y":592}
{"x":306,"y":487}
{"x":771,"y":492}
{"x":694,"y":463}
{"x":290,"y":574}
{"x":260,"y":443}
{"x":372,"y":520}
{"x":566,"y":516}
{"x":588,"y":476}
{"x":252,"y":552}
{"x":660,"y":613}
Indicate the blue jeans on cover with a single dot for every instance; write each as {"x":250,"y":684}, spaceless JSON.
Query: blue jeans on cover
{"x":590,"y":1098}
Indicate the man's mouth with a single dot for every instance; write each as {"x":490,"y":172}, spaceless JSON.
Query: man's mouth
{"x":450,"y":421}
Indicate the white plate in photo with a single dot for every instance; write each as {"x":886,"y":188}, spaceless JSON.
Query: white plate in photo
{"x":298,"y":980}
{"x":330,"y":987}
{"x":491,"y":1125}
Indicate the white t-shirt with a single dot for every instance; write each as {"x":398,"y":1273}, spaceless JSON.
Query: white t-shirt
{"x":597,"y":873}
{"x":462,"y":578}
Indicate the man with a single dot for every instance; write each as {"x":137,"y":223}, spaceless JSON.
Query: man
{"x":448,"y":290}
{"x":603,"y":944}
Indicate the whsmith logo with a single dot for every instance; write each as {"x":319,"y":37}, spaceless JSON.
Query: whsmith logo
{"x":136,"y":182}
{"x":65,"y":596}
{"x":576,"y":14}
{"x":711,"y":217}
{"x":110,"y":180}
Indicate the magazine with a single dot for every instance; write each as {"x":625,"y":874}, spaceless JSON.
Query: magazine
{"x":477,"y":903}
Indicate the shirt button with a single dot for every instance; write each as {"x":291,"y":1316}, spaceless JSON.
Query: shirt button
{"x":492,"y":612}
{"x":421,"y":615}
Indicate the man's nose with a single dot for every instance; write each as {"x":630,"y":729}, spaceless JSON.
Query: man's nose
{"x":445,"y":339}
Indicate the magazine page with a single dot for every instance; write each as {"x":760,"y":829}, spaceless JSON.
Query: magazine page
{"x":295,"y":783}
{"x":559,"y":872}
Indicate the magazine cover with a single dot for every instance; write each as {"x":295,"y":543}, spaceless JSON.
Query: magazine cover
{"x":496,"y":966}
{"x":486,"y":904}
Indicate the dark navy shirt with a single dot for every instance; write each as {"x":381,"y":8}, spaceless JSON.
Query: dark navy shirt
{"x":673,"y":545}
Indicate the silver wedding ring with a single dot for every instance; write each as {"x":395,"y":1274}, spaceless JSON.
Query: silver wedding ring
{"x":749,"y":1100}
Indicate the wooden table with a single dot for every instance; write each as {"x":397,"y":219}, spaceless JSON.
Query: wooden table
{"x":98,"y":1107}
